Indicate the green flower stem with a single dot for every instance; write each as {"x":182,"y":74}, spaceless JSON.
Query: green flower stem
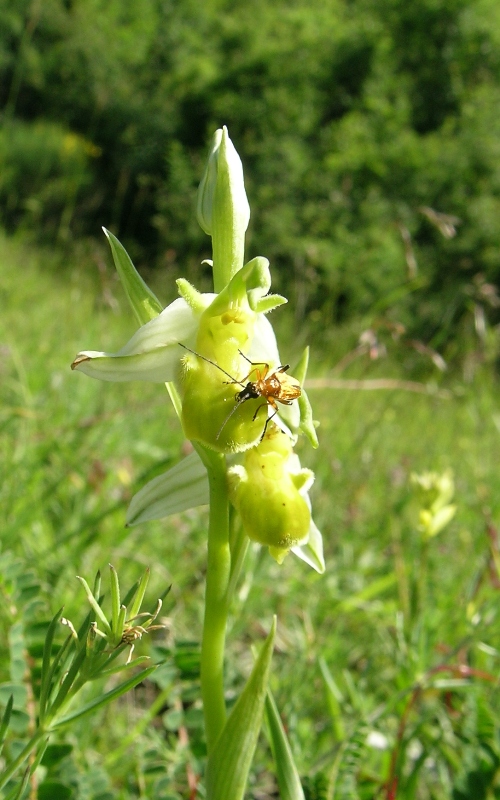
{"x":228,"y":247}
{"x":9,"y":771}
{"x":216,"y":598}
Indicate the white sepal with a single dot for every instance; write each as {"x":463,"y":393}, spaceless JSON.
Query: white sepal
{"x":152,"y":354}
{"x":312,"y":551}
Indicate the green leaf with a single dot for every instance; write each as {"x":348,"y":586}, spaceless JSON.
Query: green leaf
{"x":96,"y":591}
{"x":47,"y":653}
{"x":15,"y":690}
{"x":115,"y":598}
{"x":58,"y":660}
{"x":183,"y":486}
{"x":143,"y":301}
{"x":95,"y":605}
{"x":53,"y":790}
{"x":104,"y":673}
{"x":5,"y":720}
{"x":18,"y":791}
{"x":130,"y":594}
{"x":286,"y":772}
{"x":334,"y":698}
{"x":69,"y":679}
{"x":136,"y":604}
{"x":104,"y":699}
{"x":55,"y":753}
{"x":230,"y":761}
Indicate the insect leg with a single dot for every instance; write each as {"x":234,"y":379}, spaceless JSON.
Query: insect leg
{"x":258,"y":409}
{"x":209,"y":361}
{"x":255,"y":364}
{"x":268,"y":420}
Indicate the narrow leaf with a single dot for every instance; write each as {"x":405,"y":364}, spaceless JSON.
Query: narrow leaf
{"x":115,"y":598}
{"x":6,"y":719}
{"x":286,"y":772}
{"x":95,"y":605}
{"x":230,"y":761}
{"x":334,"y":698}
{"x":67,"y":683}
{"x":183,"y":486}
{"x":115,"y":670}
{"x":139,"y":596}
{"x":143,"y":301}
{"x":18,"y":791}
{"x":40,"y":754}
{"x":130,"y":594}
{"x":96,"y":591}
{"x":47,"y":653}
{"x":120,"y":624}
{"x":57,"y":661}
{"x":104,"y":699}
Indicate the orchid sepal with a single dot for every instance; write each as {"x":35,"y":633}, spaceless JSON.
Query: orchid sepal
{"x":142,"y":299}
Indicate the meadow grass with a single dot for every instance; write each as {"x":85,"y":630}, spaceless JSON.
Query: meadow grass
{"x":395,"y":641}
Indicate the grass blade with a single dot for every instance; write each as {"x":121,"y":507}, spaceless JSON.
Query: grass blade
{"x":104,"y":699}
{"x":287,"y":776}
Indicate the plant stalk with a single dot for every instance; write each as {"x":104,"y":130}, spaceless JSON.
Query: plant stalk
{"x":12,"y":768}
{"x":216,"y":599}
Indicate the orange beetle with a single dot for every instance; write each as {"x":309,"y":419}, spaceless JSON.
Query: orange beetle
{"x":273,"y":386}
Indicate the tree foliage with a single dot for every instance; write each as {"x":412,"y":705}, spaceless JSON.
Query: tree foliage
{"x":369,"y":133}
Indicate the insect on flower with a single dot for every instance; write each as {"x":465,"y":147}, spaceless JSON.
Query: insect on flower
{"x":274,"y":386}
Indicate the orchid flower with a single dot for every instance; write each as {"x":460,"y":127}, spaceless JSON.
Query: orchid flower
{"x":209,"y":348}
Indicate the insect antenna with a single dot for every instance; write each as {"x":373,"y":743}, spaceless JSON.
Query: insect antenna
{"x":235,"y":409}
{"x":209,"y":361}
{"x":226,"y":421}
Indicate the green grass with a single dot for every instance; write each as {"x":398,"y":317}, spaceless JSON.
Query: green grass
{"x":74,"y":451}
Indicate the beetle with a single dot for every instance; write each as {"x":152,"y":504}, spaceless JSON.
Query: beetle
{"x":274,"y":386}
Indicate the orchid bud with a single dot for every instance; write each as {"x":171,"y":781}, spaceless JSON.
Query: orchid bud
{"x":266,"y":490}
{"x":222,"y":208}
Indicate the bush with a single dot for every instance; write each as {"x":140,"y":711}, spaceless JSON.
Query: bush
{"x":350,"y":120}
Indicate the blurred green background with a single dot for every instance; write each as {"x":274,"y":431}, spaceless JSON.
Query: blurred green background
{"x":370,"y":137}
{"x":359,"y":124}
